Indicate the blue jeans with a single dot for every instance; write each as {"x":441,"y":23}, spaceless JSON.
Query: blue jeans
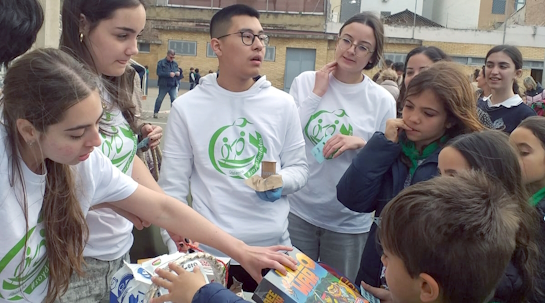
{"x":173,"y":93}
{"x":340,"y":251}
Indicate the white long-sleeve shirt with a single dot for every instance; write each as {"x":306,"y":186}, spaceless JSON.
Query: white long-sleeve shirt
{"x":350,"y":109}
{"x":217,"y":138}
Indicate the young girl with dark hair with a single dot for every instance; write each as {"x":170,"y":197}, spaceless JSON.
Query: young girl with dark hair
{"x":51,"y":109}
{"x":103,"y":36}
{"x":490,"y":152}
{"x":439,"y":105}
{"x":504,"y":106}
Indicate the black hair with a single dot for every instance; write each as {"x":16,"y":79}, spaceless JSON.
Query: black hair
{"x":476,"y":73}
{"x":221,"y":21}
{"x":398,"y":66}
{"x":513,"y":53}
{"x":20,"y":21}
{"x":388,"y":63}
{"x":197,"y":70}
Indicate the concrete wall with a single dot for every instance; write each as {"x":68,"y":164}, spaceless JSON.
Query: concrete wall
{"x":427,"y":8}
{"x":456,"y":13}
{"x":49,"y":34}
{"x":529,"y":36}
{"x":518,"y":18}
{"x":291,"y":21}
{"x":393,"y":6}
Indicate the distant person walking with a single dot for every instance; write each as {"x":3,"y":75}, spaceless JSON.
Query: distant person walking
{"x":197,"y":77}
{"x":167,"y":70}
{"x":191,"y":78}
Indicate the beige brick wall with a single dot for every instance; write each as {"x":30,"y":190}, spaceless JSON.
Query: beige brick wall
{"x":534,"y":12}
{"x":273,"y":70}
{"x":325,"y":52}
{"x":480,"y":50}
{"x":399,"y":48}
{"x":306,"y":22}
{"x":487,"y":20}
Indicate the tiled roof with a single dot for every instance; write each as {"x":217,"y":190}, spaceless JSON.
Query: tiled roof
{"x":406,"y":18}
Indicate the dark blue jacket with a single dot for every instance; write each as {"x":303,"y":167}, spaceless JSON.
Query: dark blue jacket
{"x":375,"y":177}
{"x":215,"y":293}
{"x":164,"y":68}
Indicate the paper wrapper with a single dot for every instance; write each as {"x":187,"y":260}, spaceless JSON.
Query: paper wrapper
{"x":259,"y":184}
{"x":133,"y":281}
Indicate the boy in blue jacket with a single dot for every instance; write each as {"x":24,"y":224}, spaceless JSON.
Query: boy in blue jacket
{"x":445,"y":240}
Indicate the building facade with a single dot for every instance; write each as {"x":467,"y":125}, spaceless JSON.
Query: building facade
{"x":298,"y":41}
{"x":306,"y":40}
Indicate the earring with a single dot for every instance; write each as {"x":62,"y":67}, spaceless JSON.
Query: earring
{"x":30,"y":143}
{"x":80,"y":37}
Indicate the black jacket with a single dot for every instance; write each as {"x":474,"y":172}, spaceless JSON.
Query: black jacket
{"x":376,"y":175}
{"x":164,"y":68}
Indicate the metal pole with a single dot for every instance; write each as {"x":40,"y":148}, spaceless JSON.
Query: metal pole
{"x":543,"y":72}
{"x":414,"y":20}
{"x":505,"y":24}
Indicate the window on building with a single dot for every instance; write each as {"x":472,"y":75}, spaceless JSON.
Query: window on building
{"x":532,"y":64}
{"x":270,"y":53}
{"x":476,"y":61}
{"x":183,"y":48}
{"x":385,"y":14}
{"x":144,"y":47}
{"x":498,"y":7}
{"x":461,"y":60}
{"x":395,"y":57}
{"x":209,"y":51}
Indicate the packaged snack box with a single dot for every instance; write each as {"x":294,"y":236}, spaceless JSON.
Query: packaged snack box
{"x":310,"y":283}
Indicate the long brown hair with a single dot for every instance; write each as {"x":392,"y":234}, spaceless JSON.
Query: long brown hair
{"x":451,"y":86}
{"x":490,"y":152}
{"x":95,"y":11}
{"x":40,"y":87}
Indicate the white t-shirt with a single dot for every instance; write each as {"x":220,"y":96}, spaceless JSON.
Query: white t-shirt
{"x":350,"y":109}
{"x":110,"y":235}
{"x":96,"y":181}
{"x":218,"y":138}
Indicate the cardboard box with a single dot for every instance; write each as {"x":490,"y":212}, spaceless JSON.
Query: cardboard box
{"x":308,"y":284}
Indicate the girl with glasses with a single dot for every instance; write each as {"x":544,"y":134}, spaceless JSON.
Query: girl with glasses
{"x":340,"y":108}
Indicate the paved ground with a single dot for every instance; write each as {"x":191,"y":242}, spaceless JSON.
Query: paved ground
{"x":149,"y":103}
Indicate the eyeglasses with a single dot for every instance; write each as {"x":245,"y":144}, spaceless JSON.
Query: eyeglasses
{"x":360,"y":49}
{"x":248,"y":38}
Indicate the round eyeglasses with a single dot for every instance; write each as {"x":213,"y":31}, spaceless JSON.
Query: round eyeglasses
{"x":360,"y":49}
{"x":248,"y":38}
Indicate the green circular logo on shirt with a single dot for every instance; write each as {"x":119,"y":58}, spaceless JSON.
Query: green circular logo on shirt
{"x":324,"y":123}
{"x":237,"y":150}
